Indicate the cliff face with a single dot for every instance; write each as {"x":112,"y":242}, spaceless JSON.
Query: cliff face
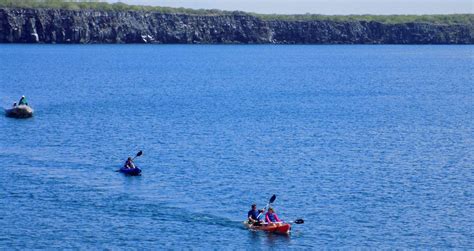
{"x":92,"y":26}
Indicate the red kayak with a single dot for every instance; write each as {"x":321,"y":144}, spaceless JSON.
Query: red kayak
{"x":282,"y":228}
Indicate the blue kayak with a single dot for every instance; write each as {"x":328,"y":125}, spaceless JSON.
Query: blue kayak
{"x":131,"y":171}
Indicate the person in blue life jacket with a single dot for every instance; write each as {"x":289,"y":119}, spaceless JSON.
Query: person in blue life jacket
{"x":23,"y":101}
{"x":253,"y":216}
{"x":129,"y":163}
{"x":272,"y":218}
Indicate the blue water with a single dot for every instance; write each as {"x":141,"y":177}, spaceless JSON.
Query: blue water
{"x":373,"y":146}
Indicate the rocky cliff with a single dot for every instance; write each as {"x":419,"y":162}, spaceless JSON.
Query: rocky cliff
{"x":93,"y":26}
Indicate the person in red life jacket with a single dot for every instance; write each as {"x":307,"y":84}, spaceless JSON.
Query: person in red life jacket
{"x":272,"y":218}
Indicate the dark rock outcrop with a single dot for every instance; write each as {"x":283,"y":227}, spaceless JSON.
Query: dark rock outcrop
{"x":93,"y":26}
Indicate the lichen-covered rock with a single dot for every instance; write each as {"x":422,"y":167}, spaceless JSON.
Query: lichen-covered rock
{"x":93,"y":26}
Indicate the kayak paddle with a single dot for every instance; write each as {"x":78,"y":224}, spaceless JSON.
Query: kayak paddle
{"x":140,"y":153}
{"x":297,"y":221}
{"x":272,"y":199}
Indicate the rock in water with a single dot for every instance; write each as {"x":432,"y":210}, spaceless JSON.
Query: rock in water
{"x":21,"y":111}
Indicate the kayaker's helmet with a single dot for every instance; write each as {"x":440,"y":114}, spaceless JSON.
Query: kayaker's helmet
{"x":129,"y":158}
{"x":23,"y":96}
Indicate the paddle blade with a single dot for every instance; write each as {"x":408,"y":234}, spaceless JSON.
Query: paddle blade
{"x":139,"y":153}
{"x":272,"y":199}
{"x":299,"y":221}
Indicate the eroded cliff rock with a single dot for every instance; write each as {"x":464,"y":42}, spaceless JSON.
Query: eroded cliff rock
{"x":93,"y":26}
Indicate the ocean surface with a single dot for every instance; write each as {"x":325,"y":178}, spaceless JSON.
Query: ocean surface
{"x":373,"y":146}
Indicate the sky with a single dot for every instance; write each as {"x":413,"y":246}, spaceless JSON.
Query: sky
{"x":328,"y":7}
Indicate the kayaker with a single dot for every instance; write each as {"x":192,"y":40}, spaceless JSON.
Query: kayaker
{"x":23,"y":101}
{"x":253,"y":215}
{"x":129,"y":163}
{"x":272,"y":218}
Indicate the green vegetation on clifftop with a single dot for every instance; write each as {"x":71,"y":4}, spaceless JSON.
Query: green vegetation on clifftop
{"x":100,"y":5}
{"x":393,"y":19}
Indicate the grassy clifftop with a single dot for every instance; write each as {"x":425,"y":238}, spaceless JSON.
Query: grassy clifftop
{"x":392,"y":19}
{"x":100,"y":5}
